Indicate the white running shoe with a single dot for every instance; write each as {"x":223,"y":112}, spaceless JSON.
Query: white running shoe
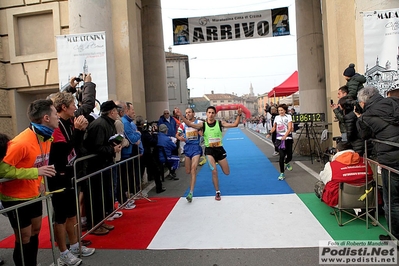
{"x":130,"y":205}
{"x":68,"y":259}
{"x":85,"y":251}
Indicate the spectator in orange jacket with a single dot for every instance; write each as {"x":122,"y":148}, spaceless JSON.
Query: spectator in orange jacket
{"x":346,"y":166}
{"x":30,"y":149}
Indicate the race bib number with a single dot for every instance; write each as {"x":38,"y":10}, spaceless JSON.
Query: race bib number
{"x":214,"y":142}
{"x":191,"y":133}
{"x":281,"y":128}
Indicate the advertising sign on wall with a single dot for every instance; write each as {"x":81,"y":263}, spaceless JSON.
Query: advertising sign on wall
{"x":83,"y":53}
{"x":381,"y":48}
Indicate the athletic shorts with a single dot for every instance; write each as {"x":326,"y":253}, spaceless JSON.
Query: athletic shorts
{"x":218,"y":153}
{"x":64,"y":204}
{"x":25,"y":213}
{"x":192,"y":150}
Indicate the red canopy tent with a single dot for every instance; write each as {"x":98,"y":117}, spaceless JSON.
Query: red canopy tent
{"x":288,"y":87}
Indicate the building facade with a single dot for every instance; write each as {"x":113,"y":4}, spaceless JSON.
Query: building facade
{"x":29,"y":67}
{"x":177,"y":73}
{"x":216,"y":99}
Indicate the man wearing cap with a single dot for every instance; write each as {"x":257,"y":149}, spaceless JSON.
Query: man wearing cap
{"x":354,"y":81}
{"x":97,"y":142}
{"x":168,"y":146}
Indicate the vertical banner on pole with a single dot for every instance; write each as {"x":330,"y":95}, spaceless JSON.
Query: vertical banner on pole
{"x":381,"y":48}
{"x":83,"y":53}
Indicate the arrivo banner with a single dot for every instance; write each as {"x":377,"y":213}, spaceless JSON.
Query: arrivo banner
{"x":230,"y":27}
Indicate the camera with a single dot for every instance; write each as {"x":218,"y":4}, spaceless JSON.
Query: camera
{"x":358,"y":108}
{"x":331,"y":150}
{"x":150,"y":126}
{"x":80,"y":77}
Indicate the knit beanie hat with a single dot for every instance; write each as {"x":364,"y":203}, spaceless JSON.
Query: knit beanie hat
{"x":350,"y":71}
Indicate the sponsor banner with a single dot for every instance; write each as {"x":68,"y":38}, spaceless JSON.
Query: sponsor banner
{"x":349,"y":252}
{"x":230,"y":27}
{"x":83,"y":53}
{"x":381,"y":53}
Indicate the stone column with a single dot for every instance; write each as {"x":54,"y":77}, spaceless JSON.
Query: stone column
{"x":98,"y":19}
{"x":310,"y":50}
{"x":311,"y":71}
{"x":154,"y":59}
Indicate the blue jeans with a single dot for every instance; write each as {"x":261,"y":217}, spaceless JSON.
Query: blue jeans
{"x":394,"y":200}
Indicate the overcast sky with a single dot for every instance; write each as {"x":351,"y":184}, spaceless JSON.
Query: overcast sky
{"x":231,"y":67}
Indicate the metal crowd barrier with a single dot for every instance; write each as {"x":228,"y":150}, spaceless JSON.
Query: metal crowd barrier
{"x":76,"y":181}
{"x":47,"y":199}
{"x":374,"y":164}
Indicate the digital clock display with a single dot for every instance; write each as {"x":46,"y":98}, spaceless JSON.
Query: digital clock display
{"x":303,"y":118}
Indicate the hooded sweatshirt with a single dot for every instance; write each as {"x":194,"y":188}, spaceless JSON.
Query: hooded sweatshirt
{"x":346,"y":166}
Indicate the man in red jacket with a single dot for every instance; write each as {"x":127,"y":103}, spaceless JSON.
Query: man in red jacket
{"x":346,"y":166}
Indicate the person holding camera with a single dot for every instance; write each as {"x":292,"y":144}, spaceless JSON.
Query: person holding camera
{"x":339,"y":116}
{"x":86,"y":95}
{"x":347,"y":105}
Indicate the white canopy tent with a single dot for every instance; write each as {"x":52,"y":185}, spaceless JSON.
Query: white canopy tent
{"x":292,"y":99}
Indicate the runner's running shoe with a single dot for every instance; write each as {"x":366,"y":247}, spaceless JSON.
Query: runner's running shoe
{"x":189,"y":197}
{"x":288,"y":167}
{"x":217,"y":197}
{"x":281,"y":176}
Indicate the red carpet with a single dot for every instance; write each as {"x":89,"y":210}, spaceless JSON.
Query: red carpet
{"x":134,"y":230}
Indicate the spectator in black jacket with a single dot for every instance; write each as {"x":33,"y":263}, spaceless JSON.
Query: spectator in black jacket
{"x":350,"y":119}
{"x":68,"y":137}
{"x":97,"y":141}
{"x":354,"y":80}
{"x":149,"y":138}
{"x":380,"y":120}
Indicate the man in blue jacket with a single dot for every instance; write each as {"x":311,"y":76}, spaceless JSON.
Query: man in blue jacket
{"x":133,"y":136}
{"x":168,"y":146}
{"x":170,"y":123}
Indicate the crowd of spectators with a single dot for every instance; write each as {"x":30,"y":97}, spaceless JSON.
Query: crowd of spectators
{"x":44,"y":154}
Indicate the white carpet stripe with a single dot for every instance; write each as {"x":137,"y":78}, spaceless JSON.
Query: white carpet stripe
{"x":270,"y":221}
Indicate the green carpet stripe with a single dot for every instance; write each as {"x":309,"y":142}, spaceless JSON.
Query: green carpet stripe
{"x":355,"y":230}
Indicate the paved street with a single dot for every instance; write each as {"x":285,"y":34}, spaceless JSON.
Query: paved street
{"x":301,"y":181}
